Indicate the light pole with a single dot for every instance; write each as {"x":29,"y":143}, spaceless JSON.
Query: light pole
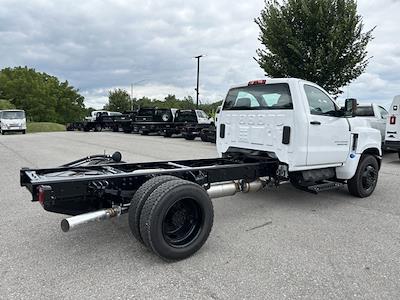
{"x":132,"y":84}
{"x":198,"y":79}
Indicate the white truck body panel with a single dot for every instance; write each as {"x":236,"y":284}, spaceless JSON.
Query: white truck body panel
{"x":393,"y":124}
{"x":316,"y":141}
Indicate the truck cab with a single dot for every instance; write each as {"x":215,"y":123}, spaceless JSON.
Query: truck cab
{"x":375,"y":115}
{"x":298,"y":123}
{"x":392,"y":138}
{"x":12,"y":120}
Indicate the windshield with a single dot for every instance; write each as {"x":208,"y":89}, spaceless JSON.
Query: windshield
{"x":202,"y":114}
{"x":259,"y":97}
{"x":13,"y":115}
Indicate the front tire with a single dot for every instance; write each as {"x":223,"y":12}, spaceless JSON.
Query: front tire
{"x":176,"y":219}
{"x":364,"y":181}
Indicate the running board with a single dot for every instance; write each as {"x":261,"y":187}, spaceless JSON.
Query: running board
{"x":315,"y":189}
{"x":326,"y":186}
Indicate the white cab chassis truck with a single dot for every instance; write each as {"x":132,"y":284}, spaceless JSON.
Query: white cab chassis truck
{"x":269,"y":132}
{"x":392,"y":138}
{"x":12,"y":120}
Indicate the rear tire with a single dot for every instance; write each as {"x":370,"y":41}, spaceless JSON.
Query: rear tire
{"x":364,"y":181}
{"x":204,"y":138}
{"x":176,"y":219}
{"x":138,"y":200}
{"x":189,"y":137}
{"x":98,"y":128}
{"x":167,"y":134}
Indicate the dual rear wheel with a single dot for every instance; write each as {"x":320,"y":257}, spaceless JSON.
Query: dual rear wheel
{"x":171,"y":216}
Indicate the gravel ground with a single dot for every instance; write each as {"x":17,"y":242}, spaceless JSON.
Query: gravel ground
{"x":275,"y":244}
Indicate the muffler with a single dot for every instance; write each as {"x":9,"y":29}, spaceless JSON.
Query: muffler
{"x":76,"y":221}
{"x":231,"y":188}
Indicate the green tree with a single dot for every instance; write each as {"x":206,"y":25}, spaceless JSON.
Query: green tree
{"x":42,"y":96}
{"x":5,"y":104}
{"x":318,"y":40}
{"x":118,"y":100}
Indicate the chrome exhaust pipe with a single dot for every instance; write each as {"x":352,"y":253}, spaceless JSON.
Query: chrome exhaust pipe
{"x":223,"y":189}
{"x":231,"y":188}
{"x":70,"y":223}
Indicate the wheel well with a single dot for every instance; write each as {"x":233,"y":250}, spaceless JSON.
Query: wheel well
{"x":374,"y":152}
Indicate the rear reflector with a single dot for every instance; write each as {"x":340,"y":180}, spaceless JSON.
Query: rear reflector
{"x":392,"y":120}
{"x":41,"y":194}
{"x":255,"y":82}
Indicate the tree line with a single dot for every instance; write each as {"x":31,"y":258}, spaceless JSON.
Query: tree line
{"x":119,"y":100}
{"x":43,"y":97}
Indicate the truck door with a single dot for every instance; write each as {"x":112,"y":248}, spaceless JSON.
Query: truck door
{"x":328,"y":135}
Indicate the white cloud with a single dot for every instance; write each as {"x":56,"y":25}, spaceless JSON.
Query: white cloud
{"x":101,"y":45}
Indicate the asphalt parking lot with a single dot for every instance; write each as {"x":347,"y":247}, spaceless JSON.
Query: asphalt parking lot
{"x":274,"y":244}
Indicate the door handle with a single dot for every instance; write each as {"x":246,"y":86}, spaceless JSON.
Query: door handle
{"x":315,"y":123}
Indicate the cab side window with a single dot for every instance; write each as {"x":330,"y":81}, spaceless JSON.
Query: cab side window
{"x":319,"y":102}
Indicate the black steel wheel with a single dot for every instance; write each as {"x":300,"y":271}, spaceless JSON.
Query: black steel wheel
{"x":365,"y":180}
{"x":176,"y":219}
{"x":182,"y":223}
{"x":138,"y":200}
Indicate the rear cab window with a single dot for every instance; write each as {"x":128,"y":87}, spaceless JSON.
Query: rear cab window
{"x":259,"y":97}
{"x":186,"y":116}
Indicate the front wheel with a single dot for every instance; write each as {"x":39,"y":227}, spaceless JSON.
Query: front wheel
{"x":364,"y":181}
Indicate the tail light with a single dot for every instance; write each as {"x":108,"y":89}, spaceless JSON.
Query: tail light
{"x":255,"y":82}
{"x":41,"y":193}
{"x":392,"y":120}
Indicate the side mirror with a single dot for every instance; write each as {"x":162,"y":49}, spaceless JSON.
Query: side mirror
{"x":350,"y":107}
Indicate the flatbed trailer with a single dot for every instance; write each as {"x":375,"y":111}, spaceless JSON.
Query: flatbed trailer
{"x":168,"y":202}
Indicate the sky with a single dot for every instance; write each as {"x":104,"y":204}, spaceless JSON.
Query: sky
{"x":101,"y":45}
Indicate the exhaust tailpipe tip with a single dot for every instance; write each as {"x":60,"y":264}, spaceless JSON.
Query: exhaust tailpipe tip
{"x":65,"y":225}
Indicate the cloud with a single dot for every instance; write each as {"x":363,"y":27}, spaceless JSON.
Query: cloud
{"x":101,"y":45}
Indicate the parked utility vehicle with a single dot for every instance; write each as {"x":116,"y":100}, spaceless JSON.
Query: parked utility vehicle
{"x":188,"y":123}
{"x":98,"y":121}
{"x":392,"y":139}
{"x":12,"y":120}
{"x":153,"y":120}
{"x":269,"y":132}
{"x":375,"y":115}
